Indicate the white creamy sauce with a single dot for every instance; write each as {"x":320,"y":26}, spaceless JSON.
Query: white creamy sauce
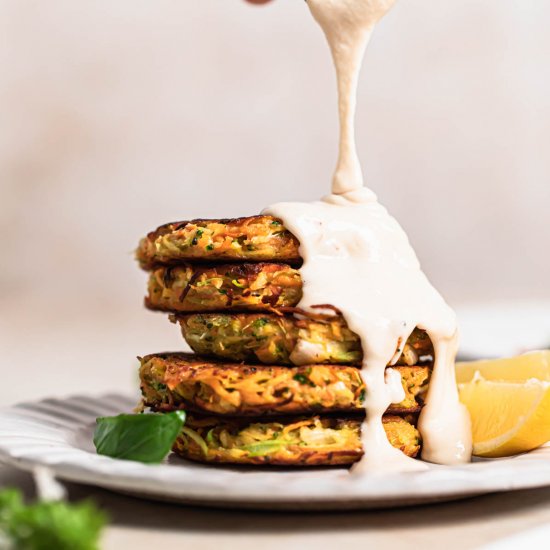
{"x":358,"y":258}
{"x":348,"y":26}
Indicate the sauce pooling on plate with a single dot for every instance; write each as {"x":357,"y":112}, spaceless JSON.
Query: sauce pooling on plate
{"x":358,"y":258}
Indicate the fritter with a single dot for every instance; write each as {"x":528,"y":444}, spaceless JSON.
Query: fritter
{"x":316,"y":441}
{"x":255,"y":238}
{"x":247,"y":286}
{"x":285,"y":340}
{"x":184,"y":381}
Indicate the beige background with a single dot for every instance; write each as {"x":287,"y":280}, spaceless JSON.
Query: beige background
{"x":118,"y":116}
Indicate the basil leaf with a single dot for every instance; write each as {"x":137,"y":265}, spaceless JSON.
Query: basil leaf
{"x":141,"y":437}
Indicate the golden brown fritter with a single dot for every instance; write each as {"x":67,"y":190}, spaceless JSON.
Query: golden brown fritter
{"x":184,"y":381}
{"x":285,"y":340}
{"x":255,"y":238}
{"x":313,"y":441}
{"x":247,"y":286}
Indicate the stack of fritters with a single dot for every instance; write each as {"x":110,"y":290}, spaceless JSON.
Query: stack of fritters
{"x":272,"y":384}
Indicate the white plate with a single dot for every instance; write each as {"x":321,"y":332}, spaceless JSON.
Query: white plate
{"x":58,"y":433}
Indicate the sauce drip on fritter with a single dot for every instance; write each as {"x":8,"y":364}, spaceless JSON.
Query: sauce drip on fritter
{"x":348,"y":241}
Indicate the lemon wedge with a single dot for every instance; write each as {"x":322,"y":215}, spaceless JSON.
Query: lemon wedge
{"x":509,"y":403}
{"x":535,"y":364}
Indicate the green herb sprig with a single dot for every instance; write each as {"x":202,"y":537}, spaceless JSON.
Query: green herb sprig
{"x":48,"y":525}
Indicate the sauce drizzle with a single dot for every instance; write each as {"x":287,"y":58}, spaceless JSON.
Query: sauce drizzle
{"x":359,"y":258}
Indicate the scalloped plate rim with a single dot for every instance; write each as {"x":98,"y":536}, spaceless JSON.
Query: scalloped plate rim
{"x":26,"y":443}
